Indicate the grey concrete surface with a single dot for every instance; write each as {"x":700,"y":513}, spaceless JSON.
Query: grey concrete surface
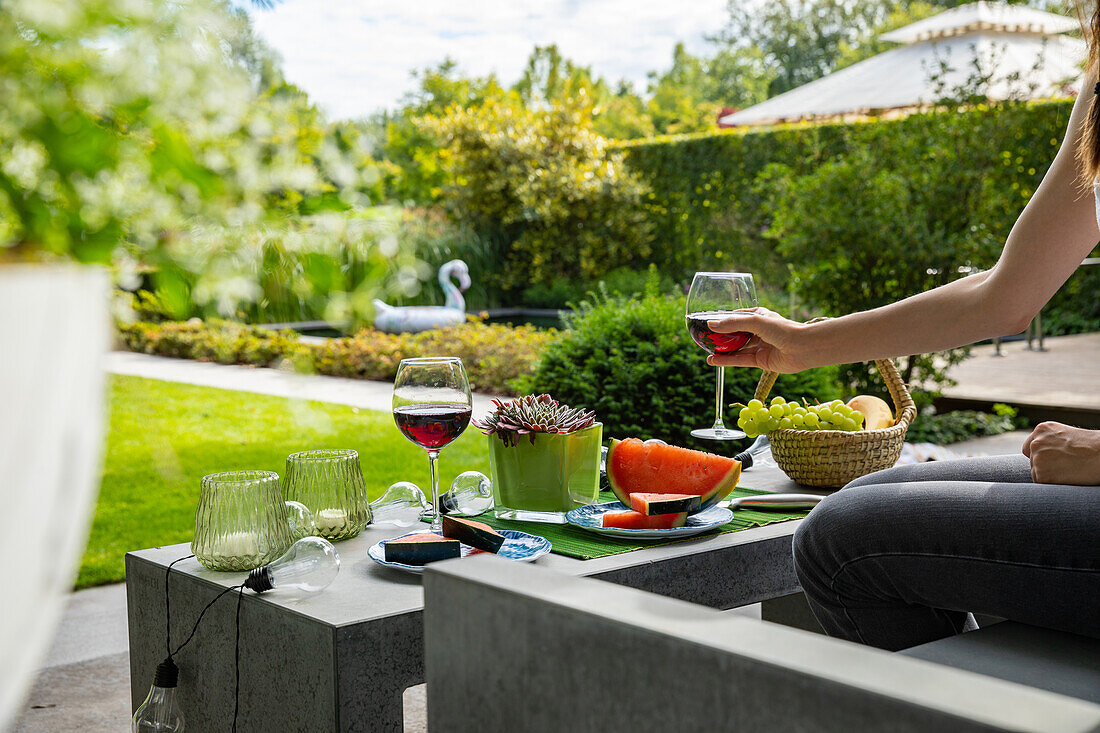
{"x":367,"y":626}
{"x":554,"y":652}
{"x":338,"y":390}
{"x":92,"y":695}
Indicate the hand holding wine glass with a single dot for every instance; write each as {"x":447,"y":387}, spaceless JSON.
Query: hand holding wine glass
{"x":432,"y":406}
{"x":778,"y":344}
{"x":715,"y":296}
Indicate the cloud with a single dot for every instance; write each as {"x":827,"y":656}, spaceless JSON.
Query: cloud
{"x":355,"y":57}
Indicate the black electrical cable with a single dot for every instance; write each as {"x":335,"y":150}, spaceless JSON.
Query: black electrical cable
{"x":168,"y":606}
{"x":199,"y":619}
{"x":236,"y":643}
{"x":237,"y":662}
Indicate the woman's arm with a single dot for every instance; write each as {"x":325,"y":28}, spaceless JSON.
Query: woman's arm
{"x":1056,"y":230}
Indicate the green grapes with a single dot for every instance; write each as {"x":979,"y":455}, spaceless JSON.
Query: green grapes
{"x":757,"y":418}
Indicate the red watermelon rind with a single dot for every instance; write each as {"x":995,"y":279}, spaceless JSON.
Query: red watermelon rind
{"x":637,"y":467}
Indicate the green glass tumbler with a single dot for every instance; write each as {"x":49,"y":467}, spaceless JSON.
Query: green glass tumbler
{"x":330,"y":483}
{"x":241,"y":521}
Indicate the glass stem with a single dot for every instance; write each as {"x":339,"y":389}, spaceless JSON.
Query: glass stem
{"x":437,"y":523}
{"x":718,"y":394}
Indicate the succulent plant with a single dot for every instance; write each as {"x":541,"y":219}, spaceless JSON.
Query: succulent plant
{"x":533,"y":414}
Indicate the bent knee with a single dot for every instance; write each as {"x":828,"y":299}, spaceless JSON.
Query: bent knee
{"x":842,"y":526}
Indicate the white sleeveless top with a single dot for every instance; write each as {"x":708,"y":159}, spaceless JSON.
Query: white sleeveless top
{"x":1096,"y":197}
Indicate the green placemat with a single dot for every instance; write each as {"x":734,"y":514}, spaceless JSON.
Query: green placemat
{"x":565,"y":539}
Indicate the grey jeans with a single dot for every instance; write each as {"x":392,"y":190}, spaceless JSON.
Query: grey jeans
{"x":899,"y":557}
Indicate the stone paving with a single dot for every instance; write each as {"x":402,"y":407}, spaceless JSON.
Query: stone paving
{"x":338,"y":390}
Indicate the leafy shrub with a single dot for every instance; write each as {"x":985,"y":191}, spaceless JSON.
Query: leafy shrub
{"x":633,"y":363}
{"x":621,"y":282}
{"x":1075,"y":308}
{"x":951,"y":427}
{"x":222,"y":341}
{"x":495,"y":355}
{"x":544,"y":187}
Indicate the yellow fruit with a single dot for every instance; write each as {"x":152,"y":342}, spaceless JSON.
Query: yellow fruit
{"x":876,"y":413}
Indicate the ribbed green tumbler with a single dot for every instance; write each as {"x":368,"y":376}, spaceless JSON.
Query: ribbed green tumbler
{"x":330,"y":483}
{"x":241,"y":521}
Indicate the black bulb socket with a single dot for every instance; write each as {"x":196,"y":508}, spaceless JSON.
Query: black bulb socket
{"x":167,"y":675}
{"x":259,"y":580}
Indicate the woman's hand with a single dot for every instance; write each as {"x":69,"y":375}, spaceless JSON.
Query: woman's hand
{"x":777,"y":343}
{"x":1061,"y":454}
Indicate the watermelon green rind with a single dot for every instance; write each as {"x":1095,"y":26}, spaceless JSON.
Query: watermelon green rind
{"x":652,"y":468}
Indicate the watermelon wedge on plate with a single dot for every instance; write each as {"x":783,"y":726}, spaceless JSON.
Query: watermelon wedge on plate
{"x":635,"y":467}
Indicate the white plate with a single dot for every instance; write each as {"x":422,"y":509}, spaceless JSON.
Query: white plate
{"x":518,"y":546}
{"x":590,"y":517}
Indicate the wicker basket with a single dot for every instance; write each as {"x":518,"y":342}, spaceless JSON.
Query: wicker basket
{"x":832,"y":458}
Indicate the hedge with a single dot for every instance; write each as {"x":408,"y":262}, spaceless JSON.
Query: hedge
{"x":709,"y":210}
{"x":495,"y":355}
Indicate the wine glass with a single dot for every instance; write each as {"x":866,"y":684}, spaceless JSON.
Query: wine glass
{"x":432,"y":406}
{"x":713,"y":296}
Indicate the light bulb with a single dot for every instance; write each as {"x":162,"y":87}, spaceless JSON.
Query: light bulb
{"x":393,"y":506}
{"x":310,"y":564}
{"x":471,"y":494}
{"x":160,"y":712}
{"x":300,"y":520}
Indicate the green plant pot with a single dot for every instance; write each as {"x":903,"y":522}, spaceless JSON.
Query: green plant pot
{"x":540,"y":480}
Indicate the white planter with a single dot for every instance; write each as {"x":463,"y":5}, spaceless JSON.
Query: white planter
{"x":54,"y":331}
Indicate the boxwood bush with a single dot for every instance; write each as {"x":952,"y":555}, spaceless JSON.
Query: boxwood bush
{"x":495,"y":355}
{"x":634,"y":364}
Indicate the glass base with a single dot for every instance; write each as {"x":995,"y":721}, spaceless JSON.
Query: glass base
{"x":523,"y":515}
{"x":714,"y":434}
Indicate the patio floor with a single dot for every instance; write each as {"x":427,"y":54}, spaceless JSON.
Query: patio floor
{"x":1066,"y":375}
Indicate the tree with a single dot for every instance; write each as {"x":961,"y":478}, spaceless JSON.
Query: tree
{"x":542,"y":185}
{"x":803,"y":40}
{"x":414,"y":171}
{"x":687,"y":97}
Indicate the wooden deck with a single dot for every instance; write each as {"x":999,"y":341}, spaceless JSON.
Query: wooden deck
{"x":1060,"y":383}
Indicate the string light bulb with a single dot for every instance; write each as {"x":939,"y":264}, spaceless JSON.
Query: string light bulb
{"x":160,"y":713}
{"x":310,"y":564}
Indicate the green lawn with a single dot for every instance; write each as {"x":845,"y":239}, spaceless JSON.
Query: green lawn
{"x":164,"y":437}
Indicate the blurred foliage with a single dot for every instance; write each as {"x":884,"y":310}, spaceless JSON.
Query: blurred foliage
{"x":633,"y":362}
{"x":160,"y":137}
{"x":1075,"y":308}
{"x":952,"y":427}
{"x":494,"y":355}
{"x":544,"y":188}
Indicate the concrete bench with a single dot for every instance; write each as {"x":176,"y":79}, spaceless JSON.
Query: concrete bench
{"x":510,"y":647}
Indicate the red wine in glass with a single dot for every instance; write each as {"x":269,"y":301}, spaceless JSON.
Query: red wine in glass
{"x":712,"y":341}
{"x":433,"y":425}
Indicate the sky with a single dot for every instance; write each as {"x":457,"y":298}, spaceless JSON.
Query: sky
{"x":354,"y":57}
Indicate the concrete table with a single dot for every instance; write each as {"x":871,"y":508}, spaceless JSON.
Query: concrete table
{"x":340,"y":660}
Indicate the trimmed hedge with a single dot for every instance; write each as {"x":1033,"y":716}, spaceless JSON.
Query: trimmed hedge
{"x":225,"y":342}
{"x":709,"y":209}
{"x":495,"y":355}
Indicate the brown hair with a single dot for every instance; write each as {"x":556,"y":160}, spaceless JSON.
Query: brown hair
{"x":1088,"y":147}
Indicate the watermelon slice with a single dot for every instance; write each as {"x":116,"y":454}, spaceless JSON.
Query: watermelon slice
{"x":651,"y":504}
{"x":634,"y":467}
{"x":637,"y":520}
